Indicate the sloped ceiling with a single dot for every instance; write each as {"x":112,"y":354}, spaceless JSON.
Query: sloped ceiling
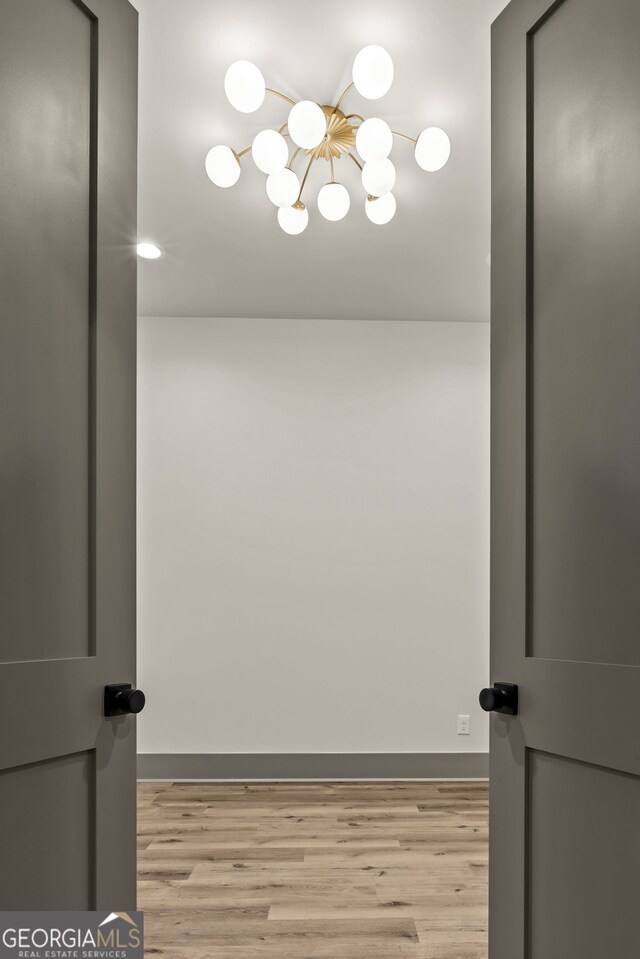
{"x":224,"y":252}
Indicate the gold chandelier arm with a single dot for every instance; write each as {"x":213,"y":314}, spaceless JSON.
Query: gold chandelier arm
{"x":357,"y":162}
{"x":304,"y":179}
{"x":404,"y":136}
{"x":282,"y":128}
{"x":350,"y":116}
{"x":295,"y":154}
{"x":282,"y":96}
{"x":333,"y":179}
{"x":342,"y":96}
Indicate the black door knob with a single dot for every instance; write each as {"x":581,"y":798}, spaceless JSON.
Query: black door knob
{"x":122,"y":698}
{"x":130,"y":700}
{"x":500,"y":698}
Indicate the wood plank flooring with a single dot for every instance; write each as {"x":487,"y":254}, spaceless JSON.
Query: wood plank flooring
{"x":314,"y":870}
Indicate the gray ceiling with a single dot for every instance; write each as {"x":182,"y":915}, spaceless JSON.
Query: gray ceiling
{"x":225,"y":254}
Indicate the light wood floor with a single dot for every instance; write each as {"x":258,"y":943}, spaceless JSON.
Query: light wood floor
{"x":314,"y":871}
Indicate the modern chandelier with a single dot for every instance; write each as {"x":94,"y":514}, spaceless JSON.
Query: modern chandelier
{"x":323,"y":132}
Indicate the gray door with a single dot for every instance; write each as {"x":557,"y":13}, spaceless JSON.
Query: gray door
{"x":68,"y":82}
{"x":565,"y":772}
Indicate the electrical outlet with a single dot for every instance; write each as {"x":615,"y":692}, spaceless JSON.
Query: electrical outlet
{"x":464,"y":725}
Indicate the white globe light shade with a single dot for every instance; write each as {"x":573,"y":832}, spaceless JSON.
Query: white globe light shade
{"x":270,"y":151}
{"x":379,"y":177}
{"x":283,"y":188}
{"x":293,"y":221}
{"x":334,"y":201}
{"x":382,"y":210}
{"x":432,"y":149}
{"x":372,"y":72}
{"x":307,"y":124}
{"x":244,"y":86}
{"x":374,"y":140}
{"x":222,"y":166}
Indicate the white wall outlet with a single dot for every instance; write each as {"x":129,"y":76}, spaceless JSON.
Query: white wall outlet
{"x":464,"y":725}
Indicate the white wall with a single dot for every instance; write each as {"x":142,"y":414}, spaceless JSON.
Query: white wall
{"x":313,"y":535}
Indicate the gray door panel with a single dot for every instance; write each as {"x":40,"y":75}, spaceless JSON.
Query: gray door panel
{"x":579,"y":827}
{"x":585,"y":334}
{"x":45,"y":165}
{"x":565,"y":608}
{"x":68,"y":127}
{"x":52,"y":835}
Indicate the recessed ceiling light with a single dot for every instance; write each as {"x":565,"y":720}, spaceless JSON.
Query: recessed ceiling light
{"x":149,"y":251}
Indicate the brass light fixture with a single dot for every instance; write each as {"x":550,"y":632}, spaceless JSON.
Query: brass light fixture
{"x":324,"y":132}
